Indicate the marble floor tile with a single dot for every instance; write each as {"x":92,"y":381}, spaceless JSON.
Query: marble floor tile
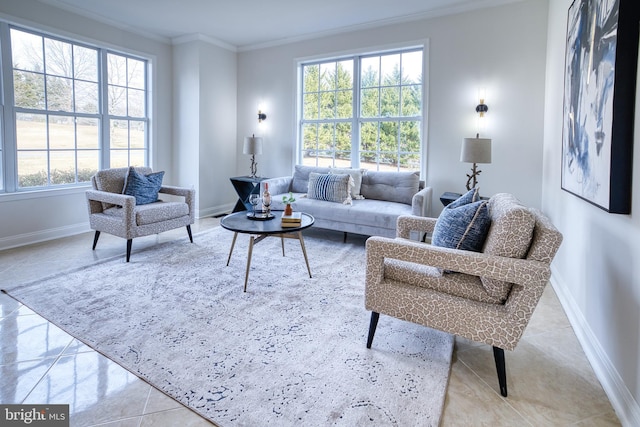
{"x":175,"y":417}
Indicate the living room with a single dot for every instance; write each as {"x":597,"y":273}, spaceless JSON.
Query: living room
{"x":516,"y":50}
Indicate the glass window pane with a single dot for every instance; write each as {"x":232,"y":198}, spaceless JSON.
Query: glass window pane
{"x":119,"y":131}
{"x":137,"y":158}
{"x":345,"y":75}
{"x":328,"y":104}
{"x":32,"y":168}
{"x":58,"y":58}
{"x":345,"y":104}
{"x":343,"y":141}
{"x":62,"y":133}
{"x":368,"y":136}
{"x":410,"y":162}
{"x":390,"y":65}
{"x":410,"y":137}
{"x":325,"y":136}
{"x":370,"y":72}
{"x":309,"y":137}
{"x":59,"y":94}
{"x":31,"y":131}
{"x":117,"y":101}
{"x":311,"y":82}
{"x":310,"y":109}
{"x":86,"y":97}
{"x":411,"y":100}
{"x":119,"y":158}
{"x":85,"y":63}
{"x":28,"y":90}
{"x":136,"y":103}
{"x":26,"y":51}
{"x":412,"y":67}
{"x":136,"y":135}
{"x":88,"y":133}
{"x":328,"y":76}
{"x":63,"y":167}
{"x":388,"y":136}
{"x":390,"y":101}
{"x":135,"y":70}
{"x":116,"y":69}
{"x":369,"y":103}
{"x":88,"y":164}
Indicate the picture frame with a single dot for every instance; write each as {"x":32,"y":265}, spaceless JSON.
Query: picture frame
{"x":601,"y":61}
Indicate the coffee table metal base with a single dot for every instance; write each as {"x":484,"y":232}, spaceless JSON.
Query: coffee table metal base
{"x":254,"y":239}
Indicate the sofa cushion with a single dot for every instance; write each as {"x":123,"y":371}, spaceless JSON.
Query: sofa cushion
{"x":510,"y":236}
{"x":330,"y":187}
{"x":391,"y":186}
{"x":152,"y":212}
{"x":143,"y":187}
{"x":463,"y":224}
{"x":300,"y":181}
{"x":356,"y":174}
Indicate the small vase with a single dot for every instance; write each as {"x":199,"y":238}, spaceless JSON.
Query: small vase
{"x":288,"y":210}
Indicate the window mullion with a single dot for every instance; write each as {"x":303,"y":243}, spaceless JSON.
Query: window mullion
{"x":103,"y":87}
{"x":9,"y":149}
{"x":355,"y":119}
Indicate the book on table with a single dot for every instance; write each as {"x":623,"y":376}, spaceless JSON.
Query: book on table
{"x":293,"y":220}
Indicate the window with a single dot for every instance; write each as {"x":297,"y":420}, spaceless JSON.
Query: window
{"x":73,"y":109}
{"x":363,"y":111}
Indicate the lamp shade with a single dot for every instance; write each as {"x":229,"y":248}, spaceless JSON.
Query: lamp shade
{"x":252,"y":145}
{"x":476,"y":150}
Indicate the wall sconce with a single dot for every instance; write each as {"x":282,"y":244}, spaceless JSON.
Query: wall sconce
{"x":482,"y":108}
{"x":476,"y":150}
{"x":261,"y":116}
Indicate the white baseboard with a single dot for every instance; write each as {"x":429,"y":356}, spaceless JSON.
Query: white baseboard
{"x":214,"y":211}
{"x":627,"y":409}
{"x":43,"y":235}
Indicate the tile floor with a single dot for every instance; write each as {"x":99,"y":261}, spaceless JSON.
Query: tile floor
{"x":550,"y":380}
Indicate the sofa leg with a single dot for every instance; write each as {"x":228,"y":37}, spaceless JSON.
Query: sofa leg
{"x":498,"y":355}
{"x":129,"y":241}
{"x":344,"y":237}
{"x":95,"y":239}
{"x":189,"y":231}
{"x":373,"y":324}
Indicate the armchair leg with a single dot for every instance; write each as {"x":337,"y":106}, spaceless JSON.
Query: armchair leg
{"x":498,"y":355}
{"x":189,"y":231}
{"x":95,"y":239}
{"x":129,"y":241}
{"x":372,"y":327}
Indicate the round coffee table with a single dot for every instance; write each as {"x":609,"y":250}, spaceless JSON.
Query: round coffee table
{"x":240,"y":222}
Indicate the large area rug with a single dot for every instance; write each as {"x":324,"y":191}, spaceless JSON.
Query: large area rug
{"x":289,"y":352}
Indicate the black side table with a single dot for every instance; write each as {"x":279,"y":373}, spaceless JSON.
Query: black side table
{"x":448,"y":197}
{"x":245,"y":186}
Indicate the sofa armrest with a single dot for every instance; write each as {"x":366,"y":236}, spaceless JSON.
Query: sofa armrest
{"x":408,"y":223}
{"x":421,"y":202}
{"x":278,"y":185}
{"x":521,"y":272}
{"x":96,"y":198}
{"x":189,"y":195}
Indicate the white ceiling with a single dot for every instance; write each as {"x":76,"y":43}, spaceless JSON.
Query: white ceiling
{"x":247,"y":24}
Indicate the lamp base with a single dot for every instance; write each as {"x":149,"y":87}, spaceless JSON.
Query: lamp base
{"x":472,"y":177}
{"x":254,"y":166}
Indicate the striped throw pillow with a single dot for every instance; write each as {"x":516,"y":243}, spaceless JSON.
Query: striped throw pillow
{"x":330,"y":187}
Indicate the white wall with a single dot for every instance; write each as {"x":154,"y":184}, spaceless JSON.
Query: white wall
{"x":36,"y":216}
{"x":596,"y":272}
{"x":205,"y":122}
{"x":501,"y":49}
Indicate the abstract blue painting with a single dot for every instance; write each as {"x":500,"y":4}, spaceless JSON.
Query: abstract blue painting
{"x":597,"y":147}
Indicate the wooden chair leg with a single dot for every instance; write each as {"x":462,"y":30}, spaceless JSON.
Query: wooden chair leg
{"x":498,"y":355}
{"x":189,"y":231}
{"x":373,"y":324}
{"x":95,"y":239}
{"x":129,"y":241}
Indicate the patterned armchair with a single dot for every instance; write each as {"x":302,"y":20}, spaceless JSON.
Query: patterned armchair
{"x":118,"y":214}
{"x":487,"y":296}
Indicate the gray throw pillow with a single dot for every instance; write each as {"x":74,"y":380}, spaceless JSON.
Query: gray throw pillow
{"x":463,"y":224}
{"x":143,"y":187}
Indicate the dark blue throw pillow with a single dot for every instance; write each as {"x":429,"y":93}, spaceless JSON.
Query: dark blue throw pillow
{"x":463,"y":224}
{"x":143,"y":187}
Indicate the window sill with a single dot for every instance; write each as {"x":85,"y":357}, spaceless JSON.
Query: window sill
{"x":42,"y":193}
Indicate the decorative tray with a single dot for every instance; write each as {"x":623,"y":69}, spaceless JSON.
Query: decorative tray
{"x":260,"y":216}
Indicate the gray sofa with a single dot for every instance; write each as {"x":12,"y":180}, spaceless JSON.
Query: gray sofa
{"x":382,"y":198}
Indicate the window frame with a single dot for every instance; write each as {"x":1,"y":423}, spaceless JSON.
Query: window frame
{"x":9,"y":113}
{"x":357,"y":118}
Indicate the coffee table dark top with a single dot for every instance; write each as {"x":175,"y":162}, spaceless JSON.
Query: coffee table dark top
{"x":239,"y":223}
